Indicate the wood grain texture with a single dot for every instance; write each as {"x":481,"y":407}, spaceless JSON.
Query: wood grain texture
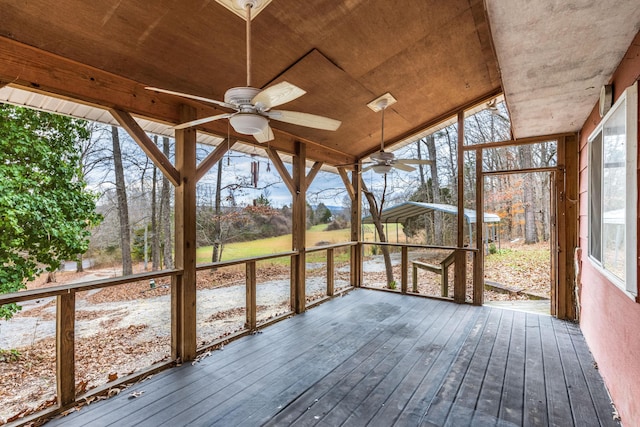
{"x":146,"y":144}
{"x":379,"y":358}
{"x":65,"y":348}
{"x":184,"y":318}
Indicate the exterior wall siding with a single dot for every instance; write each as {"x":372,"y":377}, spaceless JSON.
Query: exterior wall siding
{"x":610,"y":320}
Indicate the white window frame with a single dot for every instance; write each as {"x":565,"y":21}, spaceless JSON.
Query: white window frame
{"x":629,"y":285}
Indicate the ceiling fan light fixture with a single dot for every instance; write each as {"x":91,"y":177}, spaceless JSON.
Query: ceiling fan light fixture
{"x":249,"y":124}
{"x":238,"y":6}
{"x":381,"y":168}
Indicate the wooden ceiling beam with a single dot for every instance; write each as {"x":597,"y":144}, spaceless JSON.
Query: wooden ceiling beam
{"x":312,"y":173}
{"x":347,"y":184}
{"x":42,"y":71}
{"x":151,"y":150}
{"x":282,"y":170}
{"x":213,"y":157}
{"x":433,"y":122}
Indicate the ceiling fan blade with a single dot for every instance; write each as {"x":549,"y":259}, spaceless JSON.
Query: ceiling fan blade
{"x":265,"y":136}
{"x":367,"y":168}
{"x":414,"y":162}
{"x":403,"y":167}
{"x":304,"y":119}
{"x":203,"y":120}
{"x":277,"y":94}
{"x":197,"y":98}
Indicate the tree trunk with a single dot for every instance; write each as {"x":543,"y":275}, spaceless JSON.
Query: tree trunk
{"x":216,"y":255}
{"x":123,"y":207}
{"x":530,"y":233}
{"x":421,"y":166}
{"x":79,"y":266}
{"x":155,"y":234}
{"x":435,"y":190}
{"x":165,"y":212}
{"x":375,"y":215}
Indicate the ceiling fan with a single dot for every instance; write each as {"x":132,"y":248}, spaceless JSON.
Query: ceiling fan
{"x":383,"y":161}
{"x":253,"y":107}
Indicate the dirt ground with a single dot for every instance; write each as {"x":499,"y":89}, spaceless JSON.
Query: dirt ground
{"x":124,"y":328}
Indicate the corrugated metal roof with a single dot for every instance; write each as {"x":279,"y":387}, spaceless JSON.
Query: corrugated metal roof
{"x":403,"y":211}
{"x":39,"y":101}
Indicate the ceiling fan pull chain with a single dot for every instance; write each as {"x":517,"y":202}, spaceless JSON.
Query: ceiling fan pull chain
{"x":248,"y":6}
{"x":382,"y":131}
{"x":228,"y":145}
{"x":268,"y":158}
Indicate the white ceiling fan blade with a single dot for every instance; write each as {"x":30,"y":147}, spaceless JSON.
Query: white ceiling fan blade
{"x":265,"y":136}
{"x":414,"y":162}
{"x":367,"y":168}
{"x":403,"y":167}
{"x":277,"y":94}
{"x":197,"y":98}
{"x":203,"y":120}
{"x":304,"y":119}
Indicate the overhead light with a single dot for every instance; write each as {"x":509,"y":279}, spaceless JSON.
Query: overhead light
{"x":382,"y":102}
{"x":381,"y":168}
{"x":249,"y":124}
{"x":238,"y":6}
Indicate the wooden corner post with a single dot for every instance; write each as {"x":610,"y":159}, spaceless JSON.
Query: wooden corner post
{"x":183,"y":288}
{"x":65,"y":348}
{"x":299,"y":227}
{"x":356,"y":224}
{"x":478,"y":263}
{"x":460,"y":279}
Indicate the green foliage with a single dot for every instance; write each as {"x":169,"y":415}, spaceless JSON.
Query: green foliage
{"x":322,"y":214}
{"x":492,"y":248}
{"x":392,"y":285}
{"x":8,"y":356}
{"x":45,"y":208}
{"x":263,"y":200}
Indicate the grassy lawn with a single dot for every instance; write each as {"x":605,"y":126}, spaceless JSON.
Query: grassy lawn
{"x":316,"y":236}
{"x":273,"y":245}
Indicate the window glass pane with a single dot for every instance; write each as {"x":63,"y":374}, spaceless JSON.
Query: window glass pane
{"x":595,"y":199}
{"x":614,"y":192}
{"x":520,"y":156}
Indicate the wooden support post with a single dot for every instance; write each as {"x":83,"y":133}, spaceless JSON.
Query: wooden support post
{"x":251,"y":307}
{"x":183,"y":315}
{"x":478,"y":262}
{"x":460,"y":277}
{"x":404,"y":274}
{"x":299,"y":226}
{"x":356,"y":217}
{"x":330,"y":273}
{"x":65,"y":348}
{"x":567,"y":220}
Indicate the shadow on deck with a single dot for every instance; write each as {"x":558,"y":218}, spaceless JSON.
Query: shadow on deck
{"x":380,"y":359}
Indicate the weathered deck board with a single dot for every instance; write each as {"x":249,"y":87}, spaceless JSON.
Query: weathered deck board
{"x":375,"y":358}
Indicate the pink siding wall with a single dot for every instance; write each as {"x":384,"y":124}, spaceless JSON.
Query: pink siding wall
{"x":610,"y":320}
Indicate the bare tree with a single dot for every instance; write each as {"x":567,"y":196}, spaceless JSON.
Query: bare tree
{"x":216,"y":254}
{"x":123,"y":207}
{"x":155,"y":234}
{"x":529,"y":198}
{"x":376,"y":213}
{"x":165,"y":213}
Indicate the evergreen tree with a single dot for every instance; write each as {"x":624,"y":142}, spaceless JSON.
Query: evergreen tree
{"x":45,"y":208}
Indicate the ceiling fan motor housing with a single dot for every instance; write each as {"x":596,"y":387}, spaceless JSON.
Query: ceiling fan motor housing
{"x":241,"y":96}
{"x":382,"y":156}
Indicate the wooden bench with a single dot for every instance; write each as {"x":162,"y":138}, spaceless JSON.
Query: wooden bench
{"x":442,"y":269}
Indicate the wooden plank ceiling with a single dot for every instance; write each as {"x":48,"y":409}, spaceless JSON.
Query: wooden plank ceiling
{"x":433,"y":56}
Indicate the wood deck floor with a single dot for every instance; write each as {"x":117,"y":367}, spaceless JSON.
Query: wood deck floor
{"x":375,"y":358}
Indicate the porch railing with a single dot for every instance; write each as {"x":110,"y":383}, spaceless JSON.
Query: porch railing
{"x":66,"y":305}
